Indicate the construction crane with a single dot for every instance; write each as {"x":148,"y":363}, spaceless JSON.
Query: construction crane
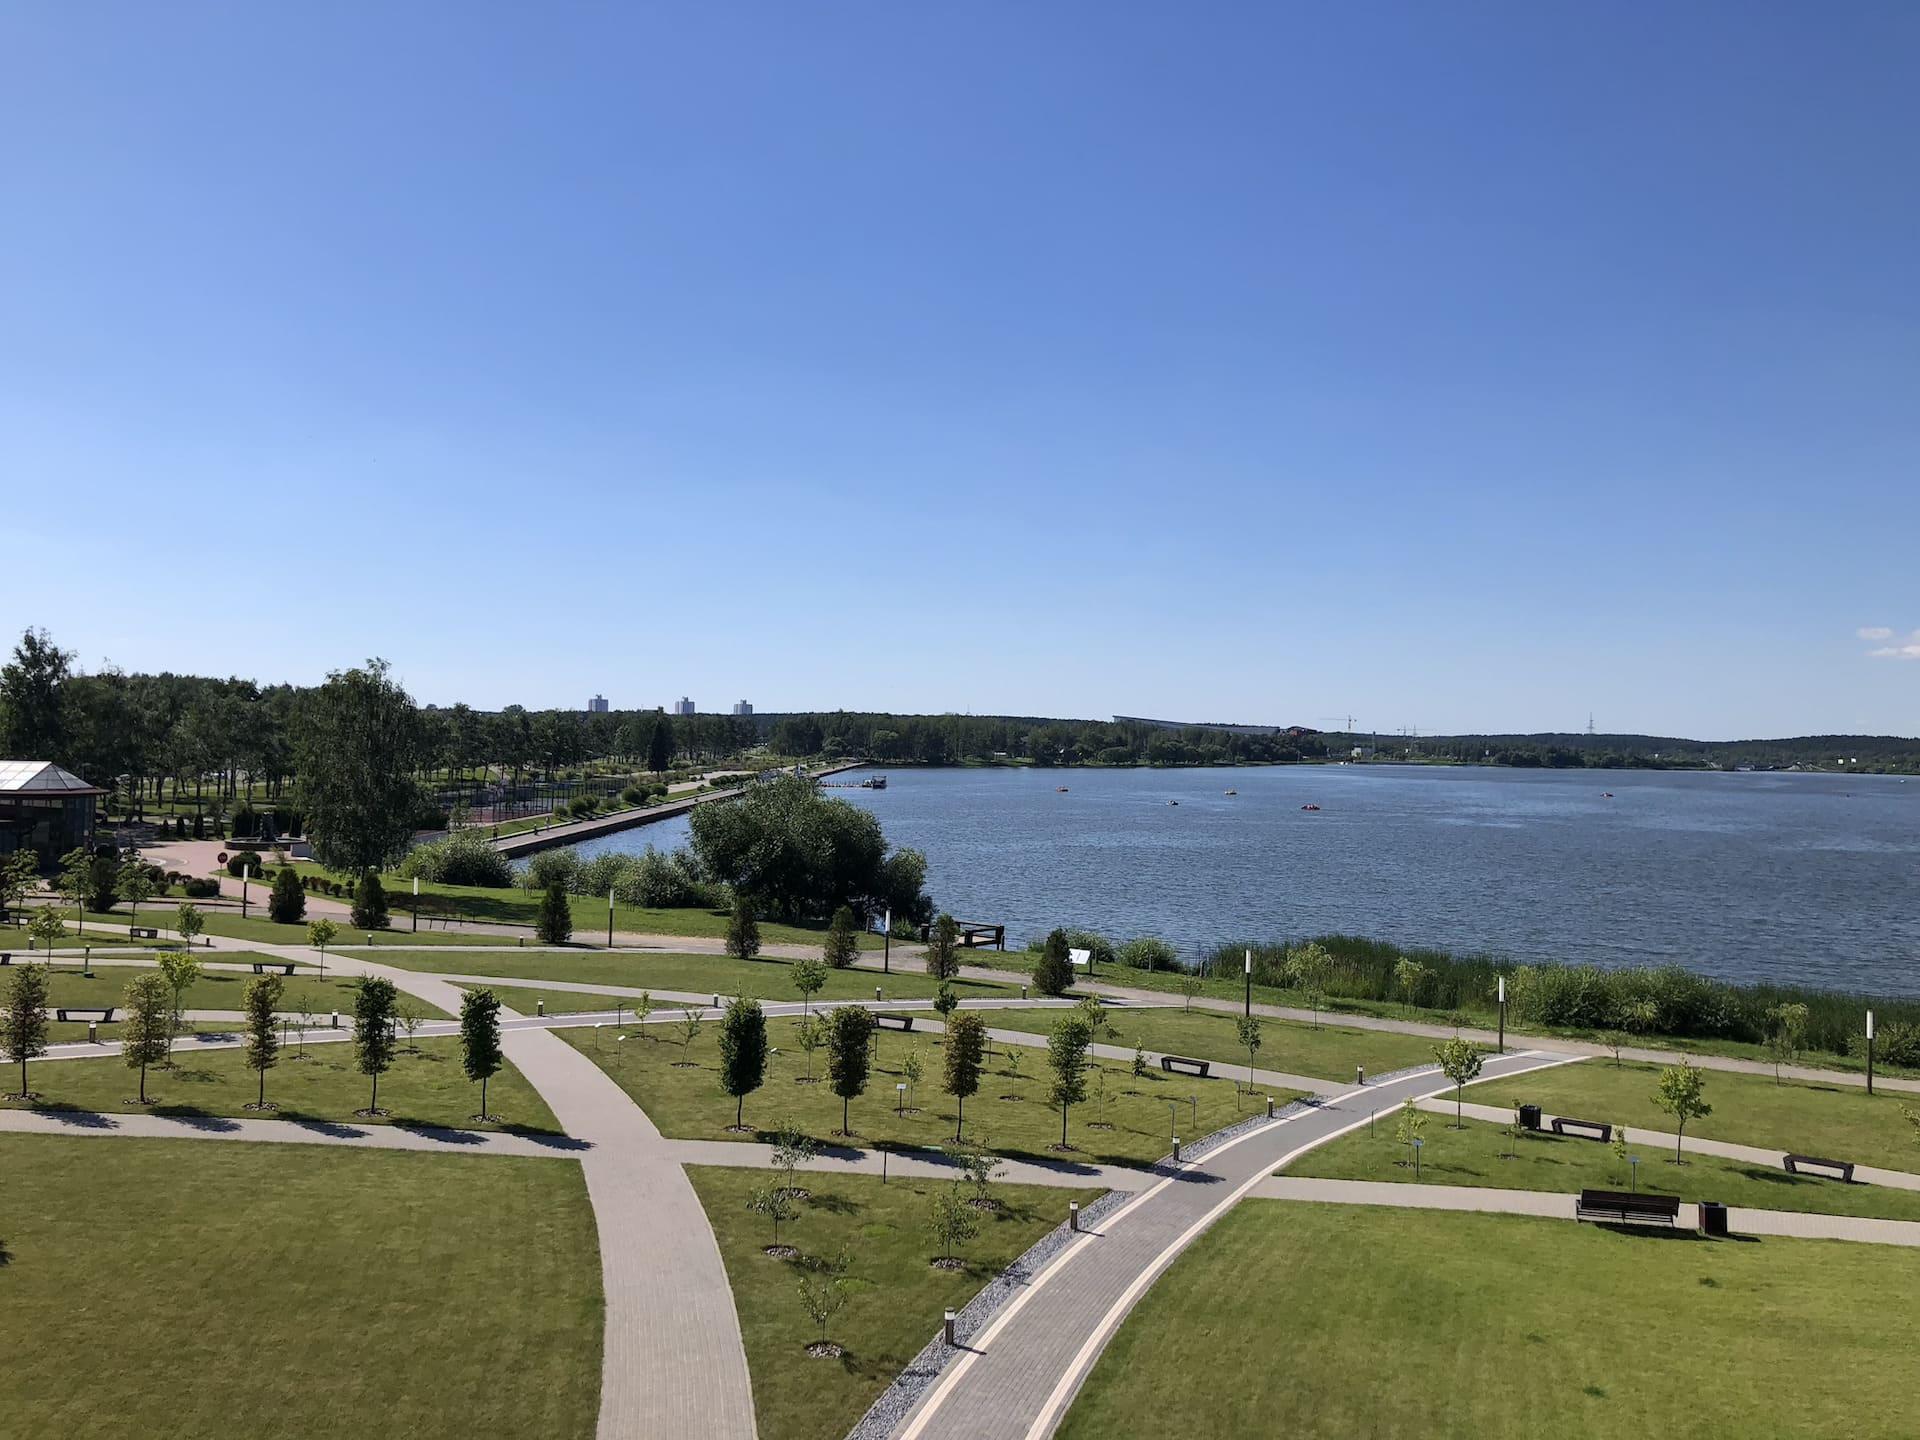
{"x":1345,"y":729}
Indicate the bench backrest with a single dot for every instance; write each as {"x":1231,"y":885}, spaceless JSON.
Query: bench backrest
{"x":1624,"y":1200}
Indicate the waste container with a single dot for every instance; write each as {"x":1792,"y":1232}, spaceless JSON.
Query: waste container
{"x":1529,"y":1117}
{"x":1713,"y":1219}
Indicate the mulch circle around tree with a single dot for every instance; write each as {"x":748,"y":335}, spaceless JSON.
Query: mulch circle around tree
{"x":1013,"y":1097}
{"x":261,"y":1105}
{"x":825,"y":1350}
{"x":948,"y":1262}
{"x":684,"y":1065}
{"x":796,"y":1192}
{"x":483,"y":1119}
{"x":984,"y":1202}
{"x":740,"y":1130}
{"x":24,"y":1099}
{"x":1064,"y":1149}
{"x":782,"y":1252}
{"x":844,"y":1134}
{"x":1098,"y":1125}
{"x":136,"y":1100}
{"x":373,"y":1114}
{"x":806,"y":1079}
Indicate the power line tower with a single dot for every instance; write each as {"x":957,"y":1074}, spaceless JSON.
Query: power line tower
{"x":1589,"y":724}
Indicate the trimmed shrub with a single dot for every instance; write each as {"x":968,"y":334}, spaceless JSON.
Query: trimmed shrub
{"x":195,"y":887}
{"x":463,"y":858}
{"x":549,"y":868}
{"x":555,"y":923}
{"x":370,"y":903}
{"x":287,"y":905}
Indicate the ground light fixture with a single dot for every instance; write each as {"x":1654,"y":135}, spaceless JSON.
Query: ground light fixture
{"x":245,"y":873}
{"x":609,"y":917}
{"x":416,"y":904}
{"x":900,"y":1097}
{"x":1418,"y":1143}
{"x":1633,"y":1174}
{"x":1503,"y":1014}
{"x":1249,"y":968}
{"x":1869,"y":1052}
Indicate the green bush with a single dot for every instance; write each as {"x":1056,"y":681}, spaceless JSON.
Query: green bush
{"x":664,"y":882}
{"x":555,"y":923}
{"x":370,"y":903}
{"x":549,"y":868}
{"x":1053,"y":971}
{"x":1147,"y":952}
{"x":632,"y":795}
{"x":463,"y":858}
{"x":287,"y":904}
{"x":241,"y":860}
{"x":198,"y":888}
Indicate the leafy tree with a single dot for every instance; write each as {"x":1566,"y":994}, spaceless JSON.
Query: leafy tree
{"x":981,"y":1168}
{"x":23,"y":1028}
{"x":965,"y":1057}
{"x":1682,"y":1094}
{"x":1913,"y":1118}
{"x":1067,"y":1047}
{"x":823,"y":1291}
{"x":260,"y":1000}
{"x":953,"y":1222}
{"x":286,"y":902}
{"x":45,"y":927}
{"x":1139,"y":1066}
{"x":1411,"y":1124}
{"x":1786,"y":1034}
{"x":1053,"y":971}
{"x":1615,"y":1041}
{"x":743,"y":930}
{"x":1408,"y":976}
{"x":743,"y":1053}
{"x":19,"y":874}
{"x":945,"y":1002}
{"x":554,"y":925}
{"x":776,"y":1202}
{"x":842,"y":946}
{"x":188,"y":922}
{"x":809,"y":978}
{"x":146,"y":1032}
{"x":134,"y":881}
{"x":88,"y":882}
{"x":1617,"y":1142}
{"x":642,"y":1008}
{"x":369,"y":910}
{"x":320,"y":934}
{"x":33,"y":711}
{"x":690,"y":1026}
{"x":1190,"y":986}
{"x":943,"y":948}
{"x":792,"y":1148}
{"x":407,"y":1010}
{"x":480,"y":1054}
{"x":1248,"y":1028}
{"x":373,"y":1043}
{"x":356,"y":746}
{"x":660,"y":745}
{"x":849,"y":1056}
{"x":1459,"y":1062}
{"x":181,"y":971}
{"x":1310,"y":967}
{"x":1014,"y":1056}
{"x":912,"y":1069}
{"x":810,"y":1034}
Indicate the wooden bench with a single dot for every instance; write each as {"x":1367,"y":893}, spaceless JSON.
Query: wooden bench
{"x":142,"y":932}
{"x":887,"y":1021}
{"x":1620,"y":1208}
{"x":1185,"y":1065}
{"x":1842,"y":1169}
{"x":1598,"y":1129}
{"x":103,"y":1013}
{"x":260,"y":967}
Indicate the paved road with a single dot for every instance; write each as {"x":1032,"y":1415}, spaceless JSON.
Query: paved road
{"x":1025,"y":1367}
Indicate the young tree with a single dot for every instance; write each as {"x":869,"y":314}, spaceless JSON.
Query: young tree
{"x":1014,"y":1057}
{"x":480,"y":1053}
{"x":1615,"y":1041}
{"x":911,"y":1069}
{"x":1310,"y":967}
{"x":809,"y":978}
{"x":286,"y":902}
{"x":320,"y":934}
{"x":373,"y":1034}
{"x":690,"y":1025}
{"x":810,"y":1034}
{"x":19,"y":875}
{"x":1248,"y":1028}
{"x":943,"y":948}
{"x":1617,"y":1142}
{"x":45,"y":927}
{"x":554,"y":925}
{"x":953,"y":1222}
{"x":823,"y":1293}
{"x":743,"y":930}
{"x":849,"y":1057}
{"x":1913,"y":1117}
{"x":1411,"y":1124}
{"x":135,"y":881}
{"x":1682,"y":1094}
{"x":792,"y":1148}
{"x":181,"y":971}
{"x":642,"y":1008}
{"x":1053,"y":971}
{"x":1459,"y":1062}
{"x":23,"y":1029}
{"x":369,"y":910}
{"x":408,"y":1011}
{"x":188,"y":922}
{"x":145,"y":1034}
{"x":743,"y":1053}
{"x":1139,"y":1066}
{"x":776,"y":1202}
{"x":1190,"y":986}
{"x":966,"y":1055}
{"x":1067,"y":1048}
{"x":1786,"y":1034}
{"x":945,"y":1002}
{"x":355,"y":751}
{"x":260,"y":1000}
{"x":1408,"y":976}
{"x":842,"y":946}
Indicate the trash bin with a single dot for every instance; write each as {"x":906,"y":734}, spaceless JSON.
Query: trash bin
{"x":1529,"y":1117}
{"x":1713,"y":1219}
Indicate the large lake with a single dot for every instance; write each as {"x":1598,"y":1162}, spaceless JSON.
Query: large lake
{"x":1806,"y":878}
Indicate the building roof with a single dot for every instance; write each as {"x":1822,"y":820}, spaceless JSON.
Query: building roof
{"x":41,"y":777}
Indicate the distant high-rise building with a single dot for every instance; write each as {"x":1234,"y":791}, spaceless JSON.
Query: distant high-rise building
{"x":741,"y":707}
{"x":683,"y":706}
{"x":597,"y":705}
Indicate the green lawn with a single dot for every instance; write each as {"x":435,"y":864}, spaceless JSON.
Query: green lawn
{"x":1330,"y":1051}
{"x":1341,"y":1321}
{"x":215,"y":990}
{"x":896,"y":1297}
{"x":686,"y":1101}
{"x":1815,"y":1119}
{"x":1478,"y":1156}
{"x":173,"y":1289}
{"x":767,"y":979}
{"x":423,"y":1088}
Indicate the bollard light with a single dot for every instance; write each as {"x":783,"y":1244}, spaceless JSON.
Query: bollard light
{"x":716,"y":1002}
{"x":1023,"y":992}
{"x":876,"y":994}
{"x":947,"y":1328}
{"x":335,"y":1025}
{"x":1073,"y":1216}
{"x":540,"y":1006}
{"x":900,"y":1097}
{"x":1176,"y":1149}
{"x":93,"y":1032}
{"x":1359,"y":1075}
{"x":1269,"y":1107}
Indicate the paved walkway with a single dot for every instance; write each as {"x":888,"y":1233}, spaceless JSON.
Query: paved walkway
{"x":1027,"y":1364}
{"x":1740,"y":1220}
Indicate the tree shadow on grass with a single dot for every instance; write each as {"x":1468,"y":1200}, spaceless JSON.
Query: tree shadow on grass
{"x":834,"y":1203}
{"x":200,"y":1120}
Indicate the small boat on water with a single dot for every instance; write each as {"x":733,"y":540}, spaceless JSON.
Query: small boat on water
{"x":1309,"y":806}
{"x":1173,"y":802}
{"x":1233,"y":792}
{"x":1606,"y":794}
{"x":1059,"y":789}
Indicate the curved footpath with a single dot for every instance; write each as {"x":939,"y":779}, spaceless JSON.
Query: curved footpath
{"x":1015,"y":1379}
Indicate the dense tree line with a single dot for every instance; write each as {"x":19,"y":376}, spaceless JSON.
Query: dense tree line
{"x":989,"y":739}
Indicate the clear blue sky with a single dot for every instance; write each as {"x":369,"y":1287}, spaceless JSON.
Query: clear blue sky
{"x":1463,"y":366}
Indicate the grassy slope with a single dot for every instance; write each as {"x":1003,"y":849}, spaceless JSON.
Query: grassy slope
{"x":688,"y":1103}
{"x":1330,"y":1051}
{"x":896,"y":1296}
{"x":1334,"y":1321}
{"x":427,"y":1088}
{"x":1832,"y":1120}
{"x":768,"y":979}
{"x":1477,"y":1156}
{"x":174,"y":1289}
{"x":216,"y":990}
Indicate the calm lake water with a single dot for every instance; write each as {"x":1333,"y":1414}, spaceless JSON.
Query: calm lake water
{"x":1805,"y":878}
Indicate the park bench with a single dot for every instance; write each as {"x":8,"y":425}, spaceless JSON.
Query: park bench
{"x":886,"y":1021}
{"x":1596,"y":1129}
{"x":1842,"y":1169}
{"x":142,"y":932}
{"x":103,"y":1013}
{"x":260,"y":967}
{"x":1185,"y":1065}
{"x":1620,"y":1208}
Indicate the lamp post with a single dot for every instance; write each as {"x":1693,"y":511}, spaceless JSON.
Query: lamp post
{"x":900,"y":1098}
{"x":609,"y":917}
{"x":416,"y":904}
{"x":1417,"y":1143}
{"x":1633,"y":1174}
{"x":1249,"y":967}
{"x":1503,"y":1014}
{"x":1869,"y":1052}
{"x":246,"y":872}
{"x":886,"y":942}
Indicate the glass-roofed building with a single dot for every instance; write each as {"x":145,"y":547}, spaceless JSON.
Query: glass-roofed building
{"x":44,"y":808}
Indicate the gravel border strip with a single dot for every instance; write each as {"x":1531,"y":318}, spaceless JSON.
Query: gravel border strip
{"x":890,"y":1407}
